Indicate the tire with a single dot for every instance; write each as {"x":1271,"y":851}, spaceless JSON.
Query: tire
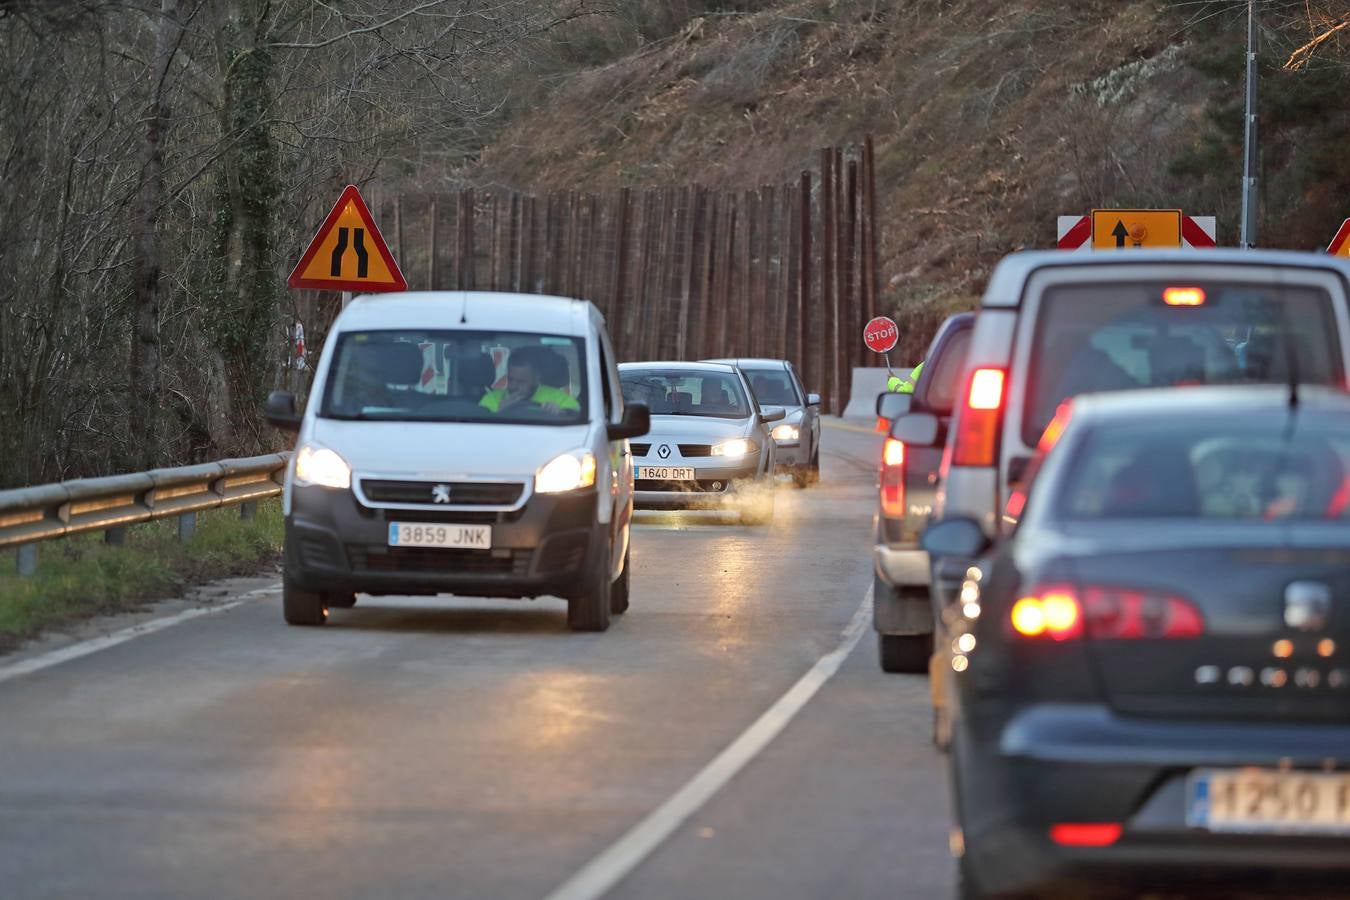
{"x":589,"y":611}
{"x":905,"y":653}
{"x":813,"y":472}
{"x":618,"y":591}
{"x":341,"y":600}
{"x":802,"y":477}
{"x":301,"y":607}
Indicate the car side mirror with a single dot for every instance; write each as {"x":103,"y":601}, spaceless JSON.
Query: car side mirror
{"x":772,"y":414}
{"x":891,"y":405}
{"x":812,"y":399}
{"x":281,"y":411}
{"x":636,"y":421}
{"x":917,"y":429}
{"x":956,"y":537}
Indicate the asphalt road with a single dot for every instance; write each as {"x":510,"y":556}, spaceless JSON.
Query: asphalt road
{"x":473,"y":748}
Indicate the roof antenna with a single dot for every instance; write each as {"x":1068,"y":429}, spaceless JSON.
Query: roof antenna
{"x":1290,"y":360}
{"x":464,"y":308}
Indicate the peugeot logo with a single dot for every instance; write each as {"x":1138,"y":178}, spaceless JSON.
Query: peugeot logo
{"x":663,"y":451}
{"x":1307,"y":605}
{"x":440,"y":493}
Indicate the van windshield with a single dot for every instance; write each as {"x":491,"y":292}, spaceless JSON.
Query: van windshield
{"x":504,"y":377}
{"x":1105,"y":337}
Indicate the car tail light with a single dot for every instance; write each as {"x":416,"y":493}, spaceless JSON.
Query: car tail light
{"x":1184,"y":296}
{"x":977,"y":428}
{"x":1060,"y":612}
{"x":1086,"y":834}
{"x":893,"y":479}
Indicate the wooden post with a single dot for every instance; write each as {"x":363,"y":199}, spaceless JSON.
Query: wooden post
{"x":527,"y":246}
{"x":658,"y":306}
{"x":494,"y":245}
{"x":765,"y":312}
{"x":787,"y":244}
{"x":872,"y":242}
{"x":839,"y":311}
{"x":620,"y":271}
{"x":707,"y":230}
{"x":852,"y":323}
{"x":828,"y":345}
{"x":433,"y":283}
{"x":398,"y":230}
{"x":803,"y":298}
{"x":689,"y":199}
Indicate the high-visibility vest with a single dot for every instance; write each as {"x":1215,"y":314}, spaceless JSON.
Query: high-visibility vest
{"x":543,"y":394}
{"x":897,"y":385}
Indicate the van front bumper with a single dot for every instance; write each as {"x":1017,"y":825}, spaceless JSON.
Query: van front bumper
{"x":334,"y":543}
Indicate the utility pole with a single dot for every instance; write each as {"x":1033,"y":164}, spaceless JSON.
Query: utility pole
{"x":1248,"y":235}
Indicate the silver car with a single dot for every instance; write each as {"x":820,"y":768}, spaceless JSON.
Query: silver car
{"x":709,"y":446}
{"x":775,"y":382}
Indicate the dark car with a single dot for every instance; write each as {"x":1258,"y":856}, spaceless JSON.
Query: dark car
{"x":902,"y":613}
{"x":1151,"y":674}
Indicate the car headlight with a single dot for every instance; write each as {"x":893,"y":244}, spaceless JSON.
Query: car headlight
{"x":786,"y":432}
{"x":569,"y":472}
{"x":323,"y":467}
{"x":733,"y":449}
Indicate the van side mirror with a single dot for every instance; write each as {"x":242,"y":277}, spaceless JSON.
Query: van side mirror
{"x":918,"y":430}
{"x":957,"y":537}
{"x":891,"y":405}
{"x":772,"y":414}
{"x":636,"y":421}
{"x":281,"y":411}
{"x":812,"y":399}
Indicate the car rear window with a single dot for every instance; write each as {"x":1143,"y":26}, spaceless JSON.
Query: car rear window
{"x":1103,"y":337}
{"x":942,"y":386}
{"x":1210,"y":469}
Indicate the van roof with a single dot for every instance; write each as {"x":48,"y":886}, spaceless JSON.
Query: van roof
{"x":675,"y":364}
{"x":1009,"y":276}
{"x":483,"y":310}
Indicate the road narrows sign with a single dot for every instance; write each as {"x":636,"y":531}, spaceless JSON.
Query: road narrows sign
{"x":1340,"y":244}
{"x":1117,"y":229}
{"x":881,"y":334}
{"x":348,"y":253}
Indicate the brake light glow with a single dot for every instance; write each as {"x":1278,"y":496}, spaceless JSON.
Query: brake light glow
{"x":1051,"y":612}
{"x":1086,"y":834}
{"x":1060,"y":612}
{"x":1184,"y":296}
{"x":986,"y":389}
{"x":977,"y":427}
{"x":893,"y":478}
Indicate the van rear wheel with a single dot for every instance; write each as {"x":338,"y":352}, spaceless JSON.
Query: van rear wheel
{"x":618,"y":591}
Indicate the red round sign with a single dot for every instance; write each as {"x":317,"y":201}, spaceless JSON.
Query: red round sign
{"x":881,"y":334}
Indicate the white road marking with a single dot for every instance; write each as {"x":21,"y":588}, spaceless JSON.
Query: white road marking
{"x":93,"y":645}
{"x":599,"y":876}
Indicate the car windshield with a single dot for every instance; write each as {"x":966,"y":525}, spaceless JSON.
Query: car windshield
{"x":1103,"y":337}
{"x":1254,"y":470}
{"x":682,"y":392}
{"x":504,"y":377}
{"x":773,"y":387}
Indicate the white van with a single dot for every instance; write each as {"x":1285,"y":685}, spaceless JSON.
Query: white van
{"x":461,"y":443}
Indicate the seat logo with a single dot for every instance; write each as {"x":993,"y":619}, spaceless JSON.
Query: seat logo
{"x":663,"y":451}
{"x":440,"y":493}
{"x":1307,"y":605}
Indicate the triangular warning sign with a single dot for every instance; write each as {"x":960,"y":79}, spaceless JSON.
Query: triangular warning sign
{"x":1340,"y":244}
{"x":348,"y":253}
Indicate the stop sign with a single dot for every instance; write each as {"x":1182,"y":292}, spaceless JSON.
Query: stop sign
{"x":881,"y":334}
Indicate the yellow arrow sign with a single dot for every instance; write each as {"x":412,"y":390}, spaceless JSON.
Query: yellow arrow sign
{"x":1120,"y":229}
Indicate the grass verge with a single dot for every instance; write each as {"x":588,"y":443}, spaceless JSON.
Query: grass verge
{"x":79,"y":577}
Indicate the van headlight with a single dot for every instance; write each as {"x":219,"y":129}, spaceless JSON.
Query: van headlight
{"x":323,"y":467}
{"x":733,"y":449}
{"x":568,"y":472}
{"x":786,"y":433}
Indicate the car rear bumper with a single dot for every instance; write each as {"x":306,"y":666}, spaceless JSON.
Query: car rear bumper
{"x":901,"y":567}
{"x":334,"y":543}
{"x":1083,"y":763}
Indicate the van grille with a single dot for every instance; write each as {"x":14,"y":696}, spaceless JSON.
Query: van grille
{"x":461,"y":493}
{"x":376,"y":558}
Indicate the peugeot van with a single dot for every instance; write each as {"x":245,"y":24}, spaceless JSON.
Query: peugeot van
{"x":461,"y":443}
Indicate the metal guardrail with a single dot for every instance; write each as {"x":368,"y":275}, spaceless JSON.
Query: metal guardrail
{"x":43,"y":512}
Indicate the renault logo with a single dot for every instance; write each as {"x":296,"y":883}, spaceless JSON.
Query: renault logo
{"x":663,"y":451}
{"x":440,"y":493}
{"x":1307,"y":605}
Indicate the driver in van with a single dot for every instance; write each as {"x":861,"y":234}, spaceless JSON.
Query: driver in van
{"x":524,"y":387}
